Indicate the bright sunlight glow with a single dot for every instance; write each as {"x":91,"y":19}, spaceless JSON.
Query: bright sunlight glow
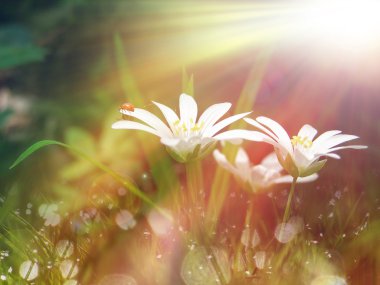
{"x":348,"y":24}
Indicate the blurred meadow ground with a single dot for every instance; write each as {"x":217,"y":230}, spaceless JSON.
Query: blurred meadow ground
{"x":65,"y":68}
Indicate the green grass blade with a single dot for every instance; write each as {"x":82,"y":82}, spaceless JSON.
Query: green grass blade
{"x":30,"y":150}
{"x":126,"y":183}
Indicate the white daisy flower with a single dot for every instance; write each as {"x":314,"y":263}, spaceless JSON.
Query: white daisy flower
{"x":186,"y":137}
{"x":256,"y":177}
{"x":300,"y":156}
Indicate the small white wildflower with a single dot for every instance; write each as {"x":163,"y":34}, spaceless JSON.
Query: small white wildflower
{"x":300,"y":156}
{"x":260,"y":176}
{"x":186,"y":137}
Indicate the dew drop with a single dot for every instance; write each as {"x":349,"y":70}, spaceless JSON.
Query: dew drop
{"x":28,"y":270}
{"x":124,"y":219}
{"x":68,"y":269}
{"x":160,"y":224}
{"x":260,"y":259}
{"x":64,"y":248}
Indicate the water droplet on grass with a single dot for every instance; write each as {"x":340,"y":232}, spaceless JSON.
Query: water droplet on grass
{"x":28,"y":270}
{"x":285,"y":232}
{"x":260,"y":257}
{"x":64,"y":248}
{"x":68,"y":269}
{"x":197,"y":268}
{"x":125,"y":220}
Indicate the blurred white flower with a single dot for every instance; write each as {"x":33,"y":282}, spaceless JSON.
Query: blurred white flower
{"x":48,"y":213}
{"x":28,"y":270}
{"x":300,"y":156}
{"x":285,"y":232}
{"x":328,"y":280}
{"x":260,"y":176}
{"x":186,"y":137}
{"x":160,"y":224}
{"x":15,"y":115}
{"x":124,"y":219}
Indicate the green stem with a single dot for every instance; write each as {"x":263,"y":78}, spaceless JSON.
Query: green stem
{"x":195,"y":185}
{"x":195,"y":190}
{"x":287,"y":209}
{"x":289,"y":202}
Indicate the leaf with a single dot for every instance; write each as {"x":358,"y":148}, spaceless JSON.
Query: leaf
{"x":33,"y":148}
{"x":126,"y":183}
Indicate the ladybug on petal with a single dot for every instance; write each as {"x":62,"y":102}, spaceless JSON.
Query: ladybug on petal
{"x":127,"y":107}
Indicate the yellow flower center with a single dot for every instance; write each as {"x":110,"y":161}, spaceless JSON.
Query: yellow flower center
{"x":304,"y":141}
{"x":181,"y":128}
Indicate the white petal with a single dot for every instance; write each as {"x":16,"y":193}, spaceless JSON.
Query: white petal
{"x":223,"y":162}
{"x":271,"y":161}
{"x":170,"y":116}
{"x":150,"y":119}
{"x":242,"y":157}
{"x":188,"y":108}
{"x":302,"y":159}
{"x":307,"y":131}
{"x":279,"y":131}
{"x":170,"y":141}
{"x":334,"y":141}
{"x":259,"y":126}
{"x":224,"y":123}
{"x":213,"y":114}
{"x":289,"y":179}
{"x":307,"y":179}
{"x":348,"y":146}
{"x":242,"y":161}
{"x":332,"y":155}
{"x":124,"y":124}
{"x":325,"y":136}
{"x":263,"y":177}
{"x":283,"y":179}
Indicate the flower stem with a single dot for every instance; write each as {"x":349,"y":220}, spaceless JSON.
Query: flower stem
{"x":195,"y":190}
{"x":288,"y":204}
{"x":195,"y":184}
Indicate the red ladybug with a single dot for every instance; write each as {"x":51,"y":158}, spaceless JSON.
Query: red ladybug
{"x":127,"y":107}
